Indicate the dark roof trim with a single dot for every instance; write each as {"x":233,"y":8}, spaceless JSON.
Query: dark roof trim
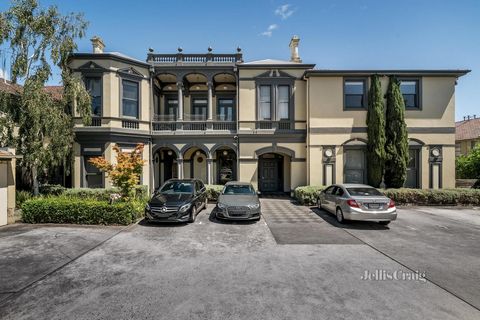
{"x":276,"y":66}
{"x":446,"y":72}
{"x":109,"y":56}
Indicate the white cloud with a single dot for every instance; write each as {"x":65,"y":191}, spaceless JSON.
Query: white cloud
{"x":284,"y":11}
{"x":269,"y":30}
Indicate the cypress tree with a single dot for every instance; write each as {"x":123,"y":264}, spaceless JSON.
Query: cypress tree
{"x":396,"y":146}
{"x":375,"y":133}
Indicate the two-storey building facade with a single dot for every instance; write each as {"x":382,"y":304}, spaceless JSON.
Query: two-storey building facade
{"x":278,"y":124}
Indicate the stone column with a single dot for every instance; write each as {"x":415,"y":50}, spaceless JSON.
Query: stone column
{"x":210,"y":101}
{"x":209,"y":171}
{"x":180,"y":168}
{"x":180,"y":101}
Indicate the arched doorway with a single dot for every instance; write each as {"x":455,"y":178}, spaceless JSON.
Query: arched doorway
{"x":166,"y":166}
{"x":271,"y":173}
{"x":195,"y":164}
{"x":225,"y":165}
{"x":354,"y":161}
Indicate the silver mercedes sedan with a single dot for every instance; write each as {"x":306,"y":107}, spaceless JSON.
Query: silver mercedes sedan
{"x":357,"y":202}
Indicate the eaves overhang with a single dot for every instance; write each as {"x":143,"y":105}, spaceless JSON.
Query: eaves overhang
{"x":404,"y":72}
{"x":108,"y":56}
{"x":276,"y":66}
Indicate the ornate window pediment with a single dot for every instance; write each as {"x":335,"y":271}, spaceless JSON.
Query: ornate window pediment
{"x":91,"y":67}
{"x":130,"y":72}
{"x":274,"y":73}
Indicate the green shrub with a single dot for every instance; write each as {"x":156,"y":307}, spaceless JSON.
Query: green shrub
{"x":80,"y":211}
{"x":21,"y":196}
{"x":141,"y":193}
{"x":307,"y":195}
{"x":458,"y":196}
{"x":51,"y":189}
{"x":213,"y":191}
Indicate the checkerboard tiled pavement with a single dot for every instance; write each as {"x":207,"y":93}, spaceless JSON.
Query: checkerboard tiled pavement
{"x":283,"y":210}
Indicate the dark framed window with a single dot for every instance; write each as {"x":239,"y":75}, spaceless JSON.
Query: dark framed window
{"x":355,"y":93}
{"x":93,"y":176}
{"x":171,"y":107}
{"x":199,"y":108}
{"x":265,"y":103}
{"x":225,"y":109}
{"x":94,"y":88}
{"x":410,"y":91}
{"x":130,"y":96}
{"x":283,"y":102}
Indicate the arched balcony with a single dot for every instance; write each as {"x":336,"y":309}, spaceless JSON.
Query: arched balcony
{"x":196,"y":100}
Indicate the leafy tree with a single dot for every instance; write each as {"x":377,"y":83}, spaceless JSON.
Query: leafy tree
{"x":468,"y":166}
{"x":396,"y":145}
{"x":39,"y":39}
{"x":376,"y":133}
{"x":125,"y":174}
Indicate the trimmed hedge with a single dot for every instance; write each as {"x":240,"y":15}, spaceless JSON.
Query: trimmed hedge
{"x":213,"y":191}
{"x":80,"y":211}
{"x":308,"y":195}
{"x":141,"y":192}
{"x":434,"y":197}
{"x":51,"y":189}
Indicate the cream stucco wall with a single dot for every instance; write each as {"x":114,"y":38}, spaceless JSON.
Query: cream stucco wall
{"x":7,"y":190}
{"x":327,"y":114}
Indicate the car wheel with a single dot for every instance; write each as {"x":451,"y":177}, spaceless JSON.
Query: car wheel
{"x":193,"y":215}
{"x":384,"y":223}
{"x":339,"y":216}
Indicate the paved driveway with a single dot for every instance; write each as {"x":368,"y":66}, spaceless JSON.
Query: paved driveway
{"x":274,"y":269}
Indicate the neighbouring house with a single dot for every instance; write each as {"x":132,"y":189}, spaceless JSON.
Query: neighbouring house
{"x":277,"y":124}
{"x":54,"y":175}
{"x":467,"y":134}
{"x":7,"y":186}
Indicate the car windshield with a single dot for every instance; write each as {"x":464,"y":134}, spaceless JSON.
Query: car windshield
{"x":238,"y":189}
{"x":363,"y":192}
{"x":177,"y":187}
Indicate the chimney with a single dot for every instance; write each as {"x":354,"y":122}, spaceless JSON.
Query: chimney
{"x":468,"y":117}
{"x":97,"y":44}
{"x":294,"y":57}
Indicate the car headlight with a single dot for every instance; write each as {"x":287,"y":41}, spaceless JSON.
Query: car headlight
{"x":147,"y":207}
{"x":254,"y":206}
{"x":185,"y":207}
{"x":221,"y":205}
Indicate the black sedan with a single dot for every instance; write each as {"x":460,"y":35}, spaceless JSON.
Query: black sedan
{"x":178,"y":200}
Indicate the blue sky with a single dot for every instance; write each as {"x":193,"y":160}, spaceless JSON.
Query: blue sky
{"x":335,"y":34}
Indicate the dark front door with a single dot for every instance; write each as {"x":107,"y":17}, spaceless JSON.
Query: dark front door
{"x":270,"y":174}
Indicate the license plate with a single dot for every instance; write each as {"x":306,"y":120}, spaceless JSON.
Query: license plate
{"x":373,"y":205}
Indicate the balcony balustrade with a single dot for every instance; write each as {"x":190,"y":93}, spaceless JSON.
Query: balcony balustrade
{"x":207,"y":58}
{"x":168,"y":124}
{"x":191,"y":122}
